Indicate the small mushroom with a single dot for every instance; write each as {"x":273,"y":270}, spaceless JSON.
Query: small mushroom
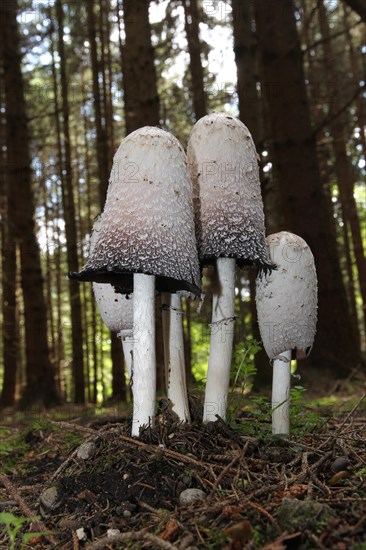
{"x":287,"y":315}
{"x":230,"y":231}
{"x":115,"y":309}
{"x":146,"y":243}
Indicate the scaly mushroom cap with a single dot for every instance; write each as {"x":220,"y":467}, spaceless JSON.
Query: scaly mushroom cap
{"x":147,"y":225}
{"x":115,"y":309}
{"x":227,"y":197}
{"x":287,"y":298}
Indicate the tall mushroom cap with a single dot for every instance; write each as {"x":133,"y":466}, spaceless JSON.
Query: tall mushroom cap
{"x":287,"y":298}
{"x":227,"y":197}
{"x":147,"y":225}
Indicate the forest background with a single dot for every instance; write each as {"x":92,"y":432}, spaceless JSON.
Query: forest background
{"x":77,"y":76}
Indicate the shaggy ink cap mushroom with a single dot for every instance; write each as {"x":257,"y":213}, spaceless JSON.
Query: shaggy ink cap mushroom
{"x":115,"y":309}
{"x":230,"y":231}
{"x":287,"y":298}
{"x":287,"y":313}
{"x":147,"y":225}
{"x":227,"y":197}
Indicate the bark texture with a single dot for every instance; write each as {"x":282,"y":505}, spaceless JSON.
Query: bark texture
{"x":296,"y":164}
{"x":40,"y":383}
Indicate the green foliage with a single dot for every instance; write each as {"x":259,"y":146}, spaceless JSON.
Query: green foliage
{"x":361,"y":473}
{"x":11,"y":447}
{"x":242,"y":376}
{"x":13,"y":525}
{"x":302,"y":418}
{"x":246,"y":369}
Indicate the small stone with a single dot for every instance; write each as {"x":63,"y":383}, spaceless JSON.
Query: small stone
{"x":113,"y":533}
{"x":86,"y":450}
{"x":126,"y":514}
{"x":340,"y":464}
{"x":81,"y":535}
{"x":188,"y":496}
{"x":48,"y":501}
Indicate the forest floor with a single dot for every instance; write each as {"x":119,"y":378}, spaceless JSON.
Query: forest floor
{"x":99,"y":488}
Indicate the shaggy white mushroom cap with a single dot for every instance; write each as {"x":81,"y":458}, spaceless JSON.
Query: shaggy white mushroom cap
{"x":287,"y":298}
{"x":115,"y":309}
{"x":222,"y":160}
{"x":147,"y":225}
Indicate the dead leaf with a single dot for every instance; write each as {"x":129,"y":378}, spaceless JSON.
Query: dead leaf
{"x":240,"y":532}
{"x":232,"y":512}
{"x":338,"y":476}
{"x":88,"y":496}
{"x":297,"y":491}
{"x":171,"y":529}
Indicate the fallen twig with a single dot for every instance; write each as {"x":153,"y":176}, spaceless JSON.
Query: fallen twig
{"x":130,"y":537}
{"x":164,"y":450}
{"x":222,"y":475}
{"x":39,"y":525}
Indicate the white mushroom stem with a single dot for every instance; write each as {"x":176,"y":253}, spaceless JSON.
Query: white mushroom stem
{"x":126,"y":337}
{"x":221,"y":344}
{"x":175,"y":373}
{"x":144,"y":359}
{"x":281,"y":384}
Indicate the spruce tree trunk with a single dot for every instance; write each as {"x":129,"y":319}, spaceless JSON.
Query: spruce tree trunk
{"x":102,"y":140}
{"x":359,"y":6}
{"x":343,"y":164}
{"x":191,"y":20}
{"x":10,"y":334}
{"x":139,"y":74}
{"x":296,"y":164}
{"x":41,"y":385}
{"x":324,"y":152}
{"x":245,"y":49}
{"x":118,"y":374}
{"x":70,"y":224}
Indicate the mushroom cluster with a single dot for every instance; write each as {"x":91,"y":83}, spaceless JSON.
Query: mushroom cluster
{"x":146,"y":243}
{"x":166,"y":217}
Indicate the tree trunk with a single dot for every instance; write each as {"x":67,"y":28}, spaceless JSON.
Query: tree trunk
{"x":324,"y":153}
{"x":10,"y":334}
{"x":245,"y":49}
{"x":296,"y":164}
{"x":40,"y":387}
{"x":70,"y":224}
{"x":343,"y":166}
{"x":359,"y":6}
{"x":102,"y":140}
{"x":191,"y":21}
{"x":118,"y":373}
{"x":139,"y":75}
